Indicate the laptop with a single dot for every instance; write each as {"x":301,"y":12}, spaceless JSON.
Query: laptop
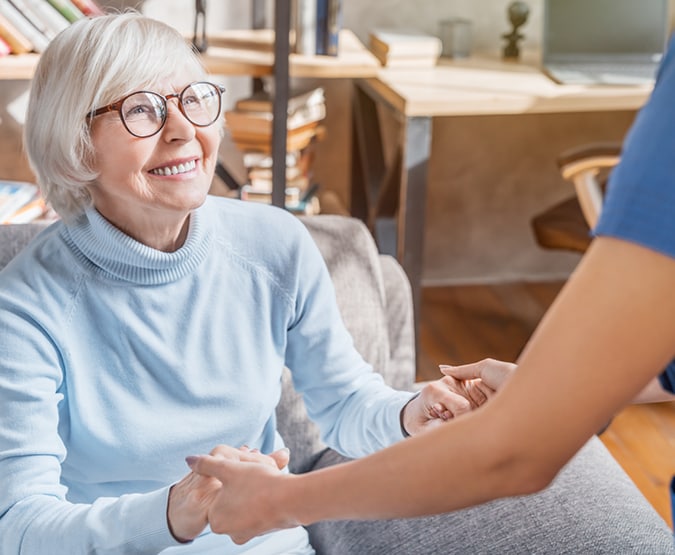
{"x":604,"y":42}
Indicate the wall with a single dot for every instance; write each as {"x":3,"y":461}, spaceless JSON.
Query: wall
{"x":477,"y":226}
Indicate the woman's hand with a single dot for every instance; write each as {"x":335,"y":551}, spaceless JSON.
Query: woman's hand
{"x":463,"y":389}
{"x":244,"y":505}
{"x":190,"y":499}
{"x":482,"y":379}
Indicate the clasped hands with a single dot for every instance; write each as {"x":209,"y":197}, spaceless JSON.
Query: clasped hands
{"x":236,"y":498}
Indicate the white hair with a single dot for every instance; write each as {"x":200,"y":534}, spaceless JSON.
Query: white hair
{"x":92,"y":63}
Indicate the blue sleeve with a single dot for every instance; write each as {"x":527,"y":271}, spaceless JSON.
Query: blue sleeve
{"x":667,"y":378}
{"x":355,"y":411}
{"x":641,"y":192}
{"x":35,"y":516}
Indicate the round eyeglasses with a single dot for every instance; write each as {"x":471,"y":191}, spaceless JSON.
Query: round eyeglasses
{"x":144,"y":113}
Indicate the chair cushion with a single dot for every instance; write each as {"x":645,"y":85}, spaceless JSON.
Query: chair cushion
{"x":14,"y":237}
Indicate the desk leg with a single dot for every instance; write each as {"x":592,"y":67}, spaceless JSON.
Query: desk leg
{"x":392,"y":200}
{"x":416,"y":139}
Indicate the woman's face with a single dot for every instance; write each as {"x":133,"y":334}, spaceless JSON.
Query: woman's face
{"x":148,"y":186}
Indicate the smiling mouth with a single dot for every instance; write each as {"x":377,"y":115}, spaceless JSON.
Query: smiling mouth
{"x":175,"y":170}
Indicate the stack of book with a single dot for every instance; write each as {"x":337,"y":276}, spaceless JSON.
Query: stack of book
{"x":21,"y":202}
{"x":405,"y":47}
{"x":29,"y":25}
{"x":250,"y":126}
{"x":250,"y":122}
{"x":300,"y":189}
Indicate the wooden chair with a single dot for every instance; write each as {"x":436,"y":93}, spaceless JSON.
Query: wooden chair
{"x":567,"y":224}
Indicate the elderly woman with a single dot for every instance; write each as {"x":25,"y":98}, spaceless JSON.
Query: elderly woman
{"x":153,"y":321}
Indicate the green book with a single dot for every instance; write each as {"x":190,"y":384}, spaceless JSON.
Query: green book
{"x":67,"y":9}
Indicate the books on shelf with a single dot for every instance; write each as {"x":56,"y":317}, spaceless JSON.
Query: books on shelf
{"x":88,"y":7}
{"x":250,"y":125}
{"x":260,"y":179}
{"x":262,"y":101}
{"x":17,"y":42}
{"x":42,"y":15}
{"x":67,"y":9}
{"x":20,"y":202}
{"x":261,"y":122}
{"x":250,"y":122}
{"x":5,"y":49}
{"x":296,"y":200}
{"x":33,"y":18}
{"x":29,"y":25}
{"x":295,"y":140}
{"x":316,"y":25}
{"x":405,"y":47}
{"x":299,"y":187}
{"x":257,"y":194}
{"x":22,"y":25}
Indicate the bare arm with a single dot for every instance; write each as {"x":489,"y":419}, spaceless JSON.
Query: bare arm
{"x":609,"y":333}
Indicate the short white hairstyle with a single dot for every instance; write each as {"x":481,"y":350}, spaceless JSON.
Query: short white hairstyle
{"x":92,"y":63}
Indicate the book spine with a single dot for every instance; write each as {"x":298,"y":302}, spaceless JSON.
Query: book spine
{"x":5,"y":49}
{"x":321,"y":27}
{"x":334,"y":25}
{"x":305,"y":27}
{"x":88,"y":7}
{"x":16,"y":18}
{"x":48,"y":14}
{"x":67,"y":9}
{"x":33,"y":18}
{"x":18,"y":43}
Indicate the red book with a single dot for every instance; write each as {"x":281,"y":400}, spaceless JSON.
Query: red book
{"x":88,"y":7}
{"x":4,"y":47}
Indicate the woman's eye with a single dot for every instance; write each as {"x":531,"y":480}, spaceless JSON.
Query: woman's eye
{"x":192,"y":99}
{"x":139,"y":110}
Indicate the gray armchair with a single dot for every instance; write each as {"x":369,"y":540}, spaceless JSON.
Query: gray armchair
{"x":592,"y":506}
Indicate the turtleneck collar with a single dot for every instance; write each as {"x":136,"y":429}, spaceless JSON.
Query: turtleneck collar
{"x":108,"y":251}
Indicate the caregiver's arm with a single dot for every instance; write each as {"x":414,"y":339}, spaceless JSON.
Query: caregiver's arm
{"x":607,"y":335}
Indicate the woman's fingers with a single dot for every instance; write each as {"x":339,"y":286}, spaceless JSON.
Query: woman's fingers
{"x":493,"y":372}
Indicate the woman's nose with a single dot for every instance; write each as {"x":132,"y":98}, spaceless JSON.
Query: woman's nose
{"x":177,"y":126}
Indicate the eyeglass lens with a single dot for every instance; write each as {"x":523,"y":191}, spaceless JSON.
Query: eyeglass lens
{"x":144,"y":113}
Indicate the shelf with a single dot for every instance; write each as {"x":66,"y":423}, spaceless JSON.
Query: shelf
{"x":251,"y":52}
{"x":20,"y":66}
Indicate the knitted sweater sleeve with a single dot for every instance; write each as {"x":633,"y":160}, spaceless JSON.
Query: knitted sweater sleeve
{"x":35,"y":517}
{"x":355,"y":411}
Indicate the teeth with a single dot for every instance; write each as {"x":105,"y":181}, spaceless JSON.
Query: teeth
{"x":175,"y":170}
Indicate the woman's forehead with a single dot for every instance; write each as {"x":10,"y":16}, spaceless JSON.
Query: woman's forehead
{"x":174,"y":82}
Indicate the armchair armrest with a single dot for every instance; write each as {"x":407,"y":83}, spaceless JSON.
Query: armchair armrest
{"x":582,"y":165}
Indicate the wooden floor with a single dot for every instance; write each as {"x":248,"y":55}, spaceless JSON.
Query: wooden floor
{"x":467,"y":323}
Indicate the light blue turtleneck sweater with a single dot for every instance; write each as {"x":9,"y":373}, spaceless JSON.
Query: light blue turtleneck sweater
{"x":117,"y":361}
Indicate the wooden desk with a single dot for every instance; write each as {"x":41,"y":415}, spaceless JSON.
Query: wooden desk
{"x":391,"y":197}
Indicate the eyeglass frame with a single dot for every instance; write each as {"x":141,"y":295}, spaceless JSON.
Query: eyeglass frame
{"x":116,"y":107}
